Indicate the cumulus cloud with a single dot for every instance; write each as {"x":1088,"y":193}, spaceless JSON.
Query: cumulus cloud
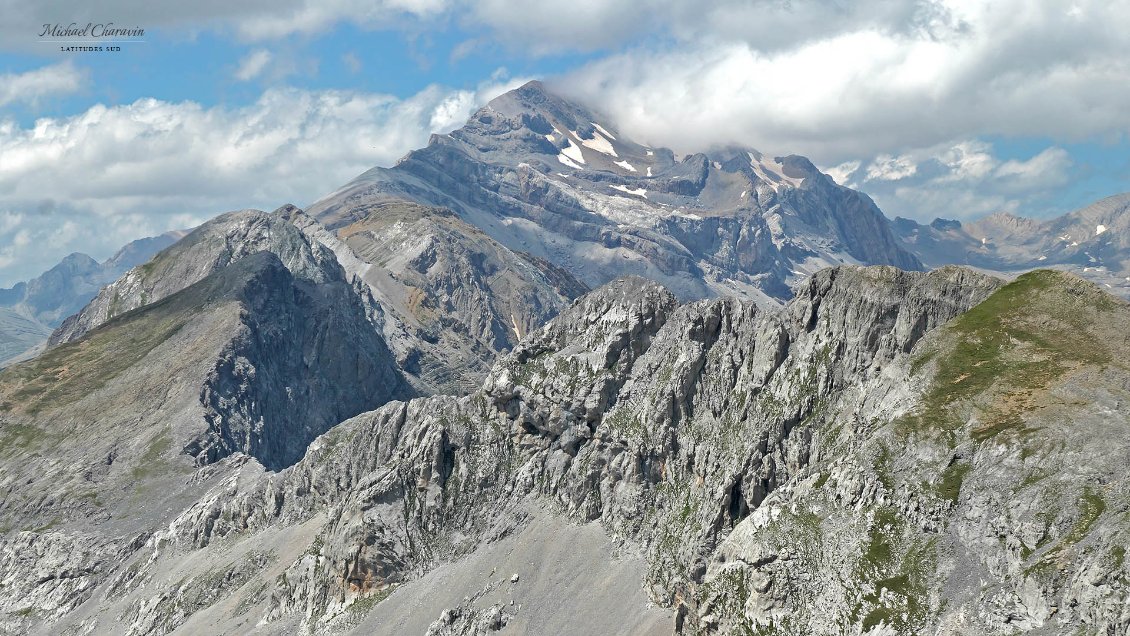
{"x":957,"y":69}
{"x":146,"y":167}
{"x":829,"y":79}
{"x":34,"y":85}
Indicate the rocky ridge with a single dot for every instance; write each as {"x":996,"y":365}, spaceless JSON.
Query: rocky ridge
{"x":748,"y":455}
{"x":106,"y":437}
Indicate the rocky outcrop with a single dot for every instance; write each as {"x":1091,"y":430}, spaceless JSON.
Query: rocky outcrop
{"x":879,"y":456}
{"x":304,"y":358}
{"x":668,"y":424}
{"x":107,"y":437}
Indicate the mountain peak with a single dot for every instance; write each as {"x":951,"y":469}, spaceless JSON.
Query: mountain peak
{"x":545,"y":175}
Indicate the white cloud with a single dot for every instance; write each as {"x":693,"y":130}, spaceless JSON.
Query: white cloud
{"x":30,"y":87}
{"x":963,"y":179}
{"x":888,"y":168}
{"x":907,"y":77}
{"x":1047,"y":170}
{"x":844,"y":172}
{"x":252,"y":65}
{"x":146,"y":167}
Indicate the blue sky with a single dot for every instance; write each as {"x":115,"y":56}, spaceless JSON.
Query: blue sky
{"x":935,"y":108}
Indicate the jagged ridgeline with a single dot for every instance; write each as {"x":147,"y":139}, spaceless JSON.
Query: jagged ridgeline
{"x":891,"y":452}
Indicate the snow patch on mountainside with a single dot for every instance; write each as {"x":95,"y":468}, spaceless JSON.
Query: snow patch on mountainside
{"x":627,"y":166}
{"x":572,"y":155}
{"x":569,"y":162}
{"x":603,"y":131}
{"x":640,"y":192}
{"x":772,"y":172}
{"x":597,"y":143}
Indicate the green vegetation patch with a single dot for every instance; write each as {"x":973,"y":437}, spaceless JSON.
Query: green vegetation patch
{"x":73,"y":370}
{"x":1026,"y":335}
{"x":949,"y":488}
{"x":896,"y":572}
{"x":151,"y":462}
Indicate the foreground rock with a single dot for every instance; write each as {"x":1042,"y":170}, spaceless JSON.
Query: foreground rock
{"x":891,"y":453}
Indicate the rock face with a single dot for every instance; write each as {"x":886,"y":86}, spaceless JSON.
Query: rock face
{"x":214,"y":245}
{"x":1093,"y":242}
{"x":542,"y":175}
{"x":875,"y":457}
{"x":450,"y":297}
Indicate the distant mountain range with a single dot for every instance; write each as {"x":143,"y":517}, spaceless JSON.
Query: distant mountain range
{"x":30,"y":310}
{"x":1093,"y":242}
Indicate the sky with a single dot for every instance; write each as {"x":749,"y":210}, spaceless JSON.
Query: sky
{"x":948,"y":108}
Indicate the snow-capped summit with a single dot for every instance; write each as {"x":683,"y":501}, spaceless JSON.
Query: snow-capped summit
{"x":552,"y":178}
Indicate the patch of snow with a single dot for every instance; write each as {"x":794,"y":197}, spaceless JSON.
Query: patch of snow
{"x":1065,"y":237}
{"x":550,"y":137}
{"x":562,"y":174}
{"x":1099,"y":229}
{"x":627,"y":166}
{"x":649,"y":171}
{"x":744,"y":193}
{"x":569,"y":162}
{"x":573,"y":154}
{"x":771,"y":172}
{"x":650,"y":153}
{"x":717,"y":166}
{"x":605,"y":132}
{"x":639,"y":192}
{"x":693,"y":216}
{"x":1073,"y":243}
{"x":597,"y":143}
{"x":1042,"y":258}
